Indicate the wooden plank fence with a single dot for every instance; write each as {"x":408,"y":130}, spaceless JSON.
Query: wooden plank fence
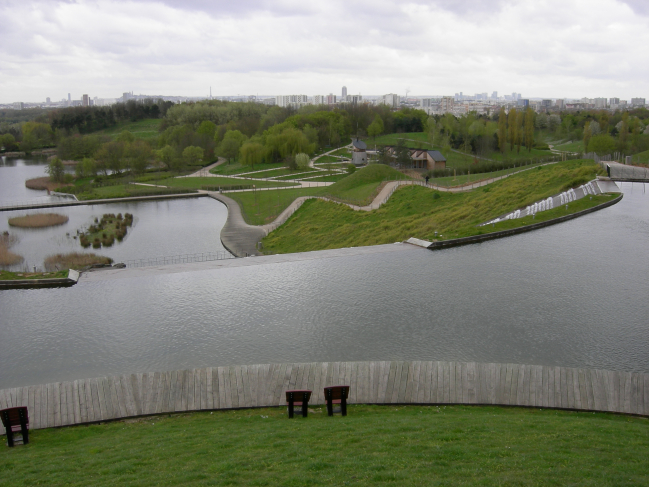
{"x":247,"y":386}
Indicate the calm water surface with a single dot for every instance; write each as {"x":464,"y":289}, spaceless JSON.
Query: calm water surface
{"x":161,"y":228}
{"x":574,"y":294}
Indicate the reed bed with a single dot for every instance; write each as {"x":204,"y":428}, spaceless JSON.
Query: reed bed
{"x":74,"y":260}
{"x":38,"y":220}
{"x":6,"y":256}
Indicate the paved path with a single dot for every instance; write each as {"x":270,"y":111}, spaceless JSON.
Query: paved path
{"x":205,"y":171}
{"x":236,"y":235}
{"x":250,"y":386}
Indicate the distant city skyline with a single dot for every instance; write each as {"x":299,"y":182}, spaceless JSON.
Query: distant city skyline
{"x":552,"y":49}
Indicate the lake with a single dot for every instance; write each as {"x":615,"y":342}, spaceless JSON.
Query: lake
{"x":573,"y":294}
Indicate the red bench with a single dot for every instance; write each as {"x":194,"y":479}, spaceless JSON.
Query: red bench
{"x":298,"y":398}
{"x":15,"y":420}
{"x":336,"y":395}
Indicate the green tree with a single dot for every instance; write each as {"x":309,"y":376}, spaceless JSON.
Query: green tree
{"x":519,"y":131}
{"x":251,"y":153}
{"x":529,"y":129}
{"x":86,"y":168}
{"x":512,"y":125}
{"x":36,"y":135}
{"x":192,"y":155}
{"x":56,"y":170}
{"x":111,"y":156}
{"x":602,"y":144}
{"x":231,"y":143}
{"x":402,"y":153}
{"x":8,"y":142}
{"x":302,"y":160}
{"x":139,"y":154}
{"x":166,"y":156}
{"x":588,"y":133}
{"x":376,"y":127}
{"x":126,"y":137}
{"x":624,"y":133}
{"x":206,"y":128}
{"x":502,"y":130}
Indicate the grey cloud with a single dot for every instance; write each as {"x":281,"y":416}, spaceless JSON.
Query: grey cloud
{"x":638,"y":6}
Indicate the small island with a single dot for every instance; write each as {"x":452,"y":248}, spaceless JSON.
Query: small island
{"x":106,"y":231}
{"x":38,"y":220}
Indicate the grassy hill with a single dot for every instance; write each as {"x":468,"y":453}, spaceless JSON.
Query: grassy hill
{"x":415,"y":211}
{"x":142,"y":129}
{"x":372,"y":446}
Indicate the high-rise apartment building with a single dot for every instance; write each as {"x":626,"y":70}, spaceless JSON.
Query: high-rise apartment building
{"x":447,"y":104}
{"x":344,"y":92}
{"x":638,"y":102}
{"x":331,"y":99}
{"x":85,"y":101}
{"x":390,"y":100}
{"x":292,"y":100}
{"x":561,"y":104}
{"x":319,"y":100}
{"x":600,"y":102}
{"x":494,"y":95}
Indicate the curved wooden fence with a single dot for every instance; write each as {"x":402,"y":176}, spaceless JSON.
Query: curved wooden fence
{"x":249,"y":386}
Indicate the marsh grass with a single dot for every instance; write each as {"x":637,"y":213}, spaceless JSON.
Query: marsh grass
{"x":38,"y":220}
{"x":372,"y":446}
{"x":74,"y":260}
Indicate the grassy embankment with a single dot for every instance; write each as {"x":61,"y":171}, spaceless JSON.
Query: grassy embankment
{"x":16,"y":276}
{"x":147,"y":129}
{"x":372,"y":446}
{"x":359,"y":188}
{"x":415,"y":211}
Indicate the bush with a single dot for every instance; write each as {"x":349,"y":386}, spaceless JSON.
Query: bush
{"x":351,"y":169}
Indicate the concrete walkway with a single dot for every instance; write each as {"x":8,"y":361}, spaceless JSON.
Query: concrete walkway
{"x":236,"y":235}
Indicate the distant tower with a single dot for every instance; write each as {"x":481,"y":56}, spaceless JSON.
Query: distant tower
{"x":69,"y":97}
{"x":344,"y":92}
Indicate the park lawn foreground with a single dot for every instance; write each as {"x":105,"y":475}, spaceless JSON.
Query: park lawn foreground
{"x":415,"y":211}
{"x":372,"y":446}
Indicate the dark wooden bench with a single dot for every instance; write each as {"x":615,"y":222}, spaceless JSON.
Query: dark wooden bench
{"x":14,"y":420}
{"x":336,"y":395}
{"x":298,"y":398}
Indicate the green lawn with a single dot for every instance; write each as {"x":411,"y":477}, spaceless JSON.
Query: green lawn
{"x":236,"y":168}
{"x":332,"y":177}
{"x":577,"y":146}
{"x":261,"y":207}
{"x":198,"y":183}
{"x":372,"y":446}
{"x":303,"y":175}
{"x":325,"y":159}
{"x":415,"y":211}
{"x":343,"y":153}
{"x":330,"y":165}
{"x":279,"y":172}
{"x":361,"y":187}
{"x":641,"y":157}
{"x":142,"y":129}
{"x":460,"y":180}
{"x":126,"y":191}
{"x":10,"y":276}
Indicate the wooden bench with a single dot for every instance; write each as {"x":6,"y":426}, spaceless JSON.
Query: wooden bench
{"x":298,"y":398}
{"x":14,"y":420}
{"x":336,"y":395}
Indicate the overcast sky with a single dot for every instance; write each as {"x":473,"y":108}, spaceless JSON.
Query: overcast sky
{"x":540,"y":48}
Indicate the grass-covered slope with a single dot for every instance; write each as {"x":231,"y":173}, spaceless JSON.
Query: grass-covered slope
{"x":372,"y":446}
{"x":414,"y":211}
{"x":360,"y":187}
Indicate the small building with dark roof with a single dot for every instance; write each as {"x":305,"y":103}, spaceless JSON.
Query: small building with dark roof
{"x":425,"y":159}
{"x":359,"y":152}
